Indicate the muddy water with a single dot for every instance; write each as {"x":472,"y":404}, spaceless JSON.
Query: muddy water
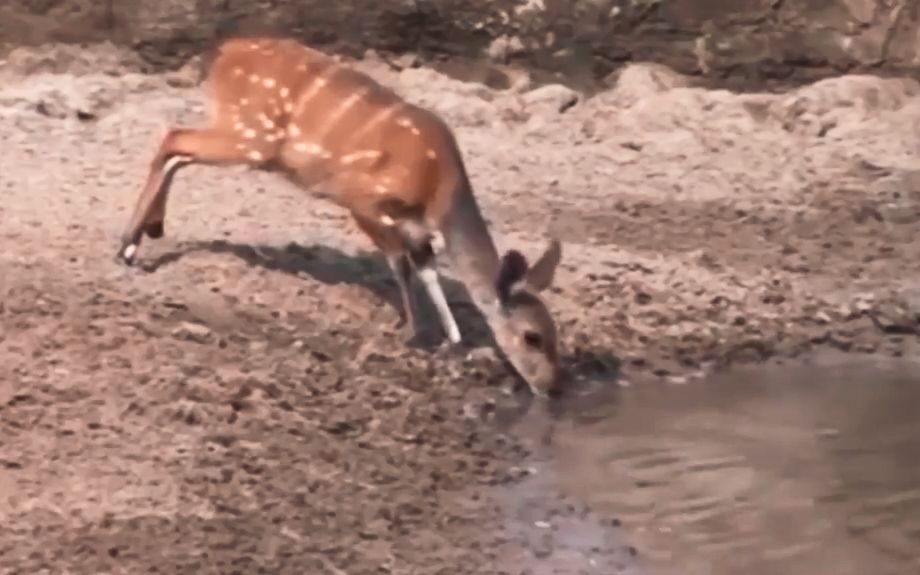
{"x":809,"y":469}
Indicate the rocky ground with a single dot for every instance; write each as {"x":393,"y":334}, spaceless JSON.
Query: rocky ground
{"x":239,"y":401}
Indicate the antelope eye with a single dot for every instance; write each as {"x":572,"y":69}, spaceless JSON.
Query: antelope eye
{"x":533,"y":339}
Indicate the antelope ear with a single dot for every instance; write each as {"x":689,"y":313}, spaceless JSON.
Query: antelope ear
{"x":540,"y":275}
{"x":511,"y":270}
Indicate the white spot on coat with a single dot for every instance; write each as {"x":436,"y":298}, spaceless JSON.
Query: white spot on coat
{"x":358,"y":156}
{"x":267,"y":122}
{"x":310,"y":148}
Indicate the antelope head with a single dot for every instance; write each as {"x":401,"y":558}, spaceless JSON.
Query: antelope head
{"x":523,"y":327}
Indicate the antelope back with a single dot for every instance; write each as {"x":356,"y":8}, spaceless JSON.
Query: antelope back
{"x":304,"y":112}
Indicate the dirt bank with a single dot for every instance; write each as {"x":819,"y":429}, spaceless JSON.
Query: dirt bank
{"x":239,"y":402}
{"x":746,"y":43}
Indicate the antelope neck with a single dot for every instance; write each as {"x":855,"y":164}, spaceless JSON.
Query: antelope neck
{"x":474,"y":256}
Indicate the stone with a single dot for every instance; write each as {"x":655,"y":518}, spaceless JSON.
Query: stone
{"x":192,"y":332}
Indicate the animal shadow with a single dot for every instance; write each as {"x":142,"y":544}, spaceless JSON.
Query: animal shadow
{"x":331,"y":266}
{"x":591,"y":374}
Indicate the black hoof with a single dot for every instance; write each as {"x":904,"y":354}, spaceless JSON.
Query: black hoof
{"x":421,"y":340}
{"x":452,"y":349}
{"x":154,"y":231}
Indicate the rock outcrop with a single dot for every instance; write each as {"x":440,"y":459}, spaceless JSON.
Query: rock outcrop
{"x":745,"y":42}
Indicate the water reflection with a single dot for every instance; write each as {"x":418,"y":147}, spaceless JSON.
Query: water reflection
{"x":806,"y":469}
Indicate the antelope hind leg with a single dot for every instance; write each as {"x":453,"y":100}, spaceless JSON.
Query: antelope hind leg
{"x":180,"y":147}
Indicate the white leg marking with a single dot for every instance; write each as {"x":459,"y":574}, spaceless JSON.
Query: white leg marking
{"x":175,"y":162}
{"x":129,"y":251}
{"x":437,"y":242}
{"x":429,"y":277}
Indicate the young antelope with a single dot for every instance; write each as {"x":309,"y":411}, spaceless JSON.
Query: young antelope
{"x":283,"y":107}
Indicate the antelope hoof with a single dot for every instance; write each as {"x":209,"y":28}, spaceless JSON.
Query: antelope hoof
{"x":127,"y":252}
{"x":154,"y":231}
{"x":452,"y":348}
{"x":419,"y":338}
{"x":400,"y":326}
{"x":453,"y":338}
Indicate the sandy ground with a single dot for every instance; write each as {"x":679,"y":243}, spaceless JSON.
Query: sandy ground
{"x":239,"y":402}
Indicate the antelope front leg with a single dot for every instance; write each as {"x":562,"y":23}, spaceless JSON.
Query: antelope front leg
{"x":402,"y":272}
{"x":179,"y":147}
{"x":424,"y":261}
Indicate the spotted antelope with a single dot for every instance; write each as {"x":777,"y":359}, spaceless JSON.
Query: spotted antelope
{"x":280,"y":106}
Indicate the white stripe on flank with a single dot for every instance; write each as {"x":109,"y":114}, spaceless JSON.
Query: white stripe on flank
{"x":343,"y":108}
{"x":318,"y":84}
{"x":376,"y":120}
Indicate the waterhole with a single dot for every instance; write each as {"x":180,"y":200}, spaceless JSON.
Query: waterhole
{"x":805,"y":469}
